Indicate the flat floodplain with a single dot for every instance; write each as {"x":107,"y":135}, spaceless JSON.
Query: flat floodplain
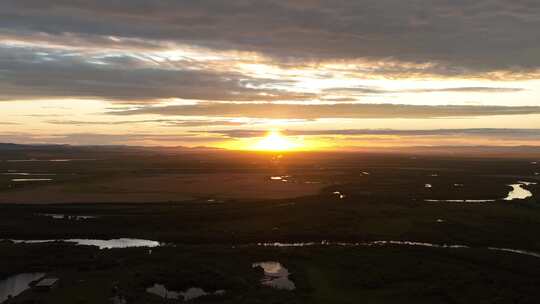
{"x":386,"y":236}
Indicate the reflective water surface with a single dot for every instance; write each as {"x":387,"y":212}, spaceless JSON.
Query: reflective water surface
{"x":58,"y":216}
{"x":102,"y":244}
{"x":339,"y":194}
{"x":516,"y":251}
{"x":518,"y":192}
{"x":47,"y":160}
{"x":189,"y":294}
{"x":27,"y":174}
{"x":396,"y":243}
{"x":282,"y":178}
{"x":461,"y":201}
{"x":275,"y":275}
{"x":14,"y":285}
{"x":20,"y":180}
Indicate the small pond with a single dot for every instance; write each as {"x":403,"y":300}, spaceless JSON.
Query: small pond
{"x":275,"y":275}
{"x":16,"y":284}
{"x":188,"y":294}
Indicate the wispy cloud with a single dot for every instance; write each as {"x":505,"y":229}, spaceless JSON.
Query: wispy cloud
{"x":314,"y":111}
{"x":166,"y":122}
{"x":478,"y":132}
{"x":110,"y":139}
{"x":27,"y":74}
{"x":364,"y":90}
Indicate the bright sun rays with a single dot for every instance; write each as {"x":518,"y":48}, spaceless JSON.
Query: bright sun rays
{"x":275,"y":141}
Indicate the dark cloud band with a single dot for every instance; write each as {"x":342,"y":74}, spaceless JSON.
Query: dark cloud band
{"x":44,"y":73}
{"x":457,"y":37}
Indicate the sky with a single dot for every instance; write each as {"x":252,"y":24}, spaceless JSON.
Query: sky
{"x":334,"y":74}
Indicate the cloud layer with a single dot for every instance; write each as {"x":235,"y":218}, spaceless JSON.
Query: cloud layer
{"x":455,"y":36}
{"x":529,"y":134}
{"x":147,"y":71}
{"x":27,"y":74}
{"x":314,"y":111}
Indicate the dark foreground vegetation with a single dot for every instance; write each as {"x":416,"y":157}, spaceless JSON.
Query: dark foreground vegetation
{"x":321,"y":275}
{"x":211,"y":238}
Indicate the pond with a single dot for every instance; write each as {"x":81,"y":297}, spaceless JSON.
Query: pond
{"x":102,"y":244}
{"x":58,"y":216}
{"x":281,"y":178}
{"x":188,"y":294}
{"x":518,"y":192}
{"x":339,"y":194}
{"x":16,"y":284}
{"x":275,"y":275}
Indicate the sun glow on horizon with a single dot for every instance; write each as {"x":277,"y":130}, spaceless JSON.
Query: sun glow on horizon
{"x":275,"y":141}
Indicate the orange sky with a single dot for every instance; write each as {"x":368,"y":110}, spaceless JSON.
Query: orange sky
{"x":327,"y":75}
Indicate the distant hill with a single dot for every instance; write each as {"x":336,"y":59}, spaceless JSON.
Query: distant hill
{"x":476,"y":151}
{"x":457,"y":151}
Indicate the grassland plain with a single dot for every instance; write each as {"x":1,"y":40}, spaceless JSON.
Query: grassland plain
{"x":211,"y":237}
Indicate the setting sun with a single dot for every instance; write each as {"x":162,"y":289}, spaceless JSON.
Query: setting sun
{"x":275,"y":141}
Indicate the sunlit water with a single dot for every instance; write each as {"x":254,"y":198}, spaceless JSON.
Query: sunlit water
{"x":58,"y":160}
{"x":27,"y":174}
{"x":518,"y":192}
{"x":357,"y":244}
{"x":21,"y":180}
{"x":189,"y":294}
{"x":130,"y":243}
{"x":339,"y":194}
{"x":56,"y":216}
{"x":102,"y":244}
{"x":16,"y":284}
{"x":275,"y":275}
{"x":282,"y":178}
{"x":396,"y":243}
{"x":461,"y":201}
